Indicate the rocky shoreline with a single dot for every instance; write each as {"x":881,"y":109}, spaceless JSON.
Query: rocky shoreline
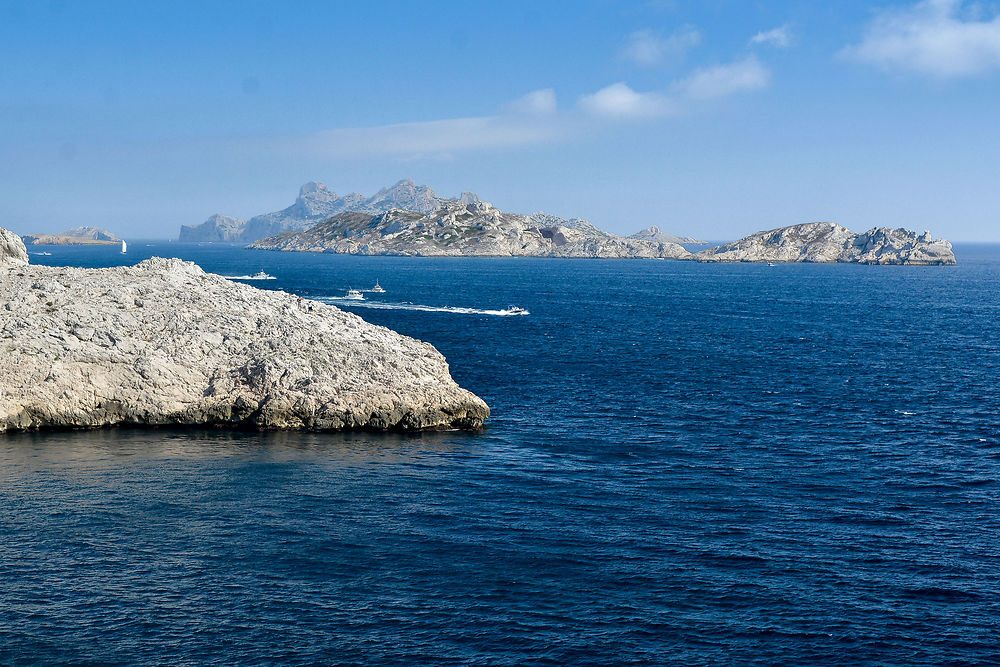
{"x":164,"y":343}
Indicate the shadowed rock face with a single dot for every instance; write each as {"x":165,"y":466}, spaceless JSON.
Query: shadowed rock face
{"x":830,"y":242}
{"x":12,"y":250}
{"x":165,"y":343}
{"x":475,"y":229}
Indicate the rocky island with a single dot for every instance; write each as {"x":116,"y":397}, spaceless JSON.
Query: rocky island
{"x":164,"y":343}
{"x":466,"y":229}
{"x":411,"y":219}
{"x":830,"y":242}
{"x":654,"y":234}
{"x":76,"y":236}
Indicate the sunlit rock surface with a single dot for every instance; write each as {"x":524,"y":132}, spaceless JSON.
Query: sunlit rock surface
{"x":830,"y":242}
{"x":164,"y":343}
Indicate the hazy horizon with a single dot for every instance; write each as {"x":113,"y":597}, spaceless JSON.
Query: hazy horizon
{"x":714,"y":119}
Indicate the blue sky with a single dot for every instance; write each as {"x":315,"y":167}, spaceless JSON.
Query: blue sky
{"x":715,"y":118}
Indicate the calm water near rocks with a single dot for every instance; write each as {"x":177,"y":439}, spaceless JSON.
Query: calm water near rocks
{"x":687,"y":463}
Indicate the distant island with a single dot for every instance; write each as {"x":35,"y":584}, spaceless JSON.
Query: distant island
{"x":76,"y":236}
{"x":480,"y":230}
{"x":497,"y":233}
{"x":830,"y":242}
{"x":654,"y":234}
{"x":315,"y":203}
{"x":459,"y":229}
{"x":408,"y":219}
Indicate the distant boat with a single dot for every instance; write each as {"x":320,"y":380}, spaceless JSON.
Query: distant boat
{"x":260,"y":275}
{"x":378,"y":288}
{"x":355,"y":295}
{"x":770,"y":263}
{"x":124,"y":247}
{"x":515,"y":310}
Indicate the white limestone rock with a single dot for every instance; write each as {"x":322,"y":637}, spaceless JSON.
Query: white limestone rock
{"x":475,"y":229}
{"x":164,"y":343}
{"x":830,"y":242}
{"x":12,"y":250}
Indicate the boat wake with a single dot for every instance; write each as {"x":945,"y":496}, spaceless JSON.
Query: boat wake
{"x":381,"y":305}
{"x":254,"y":277}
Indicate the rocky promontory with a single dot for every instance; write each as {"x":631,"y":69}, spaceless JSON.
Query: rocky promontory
{"x":76,"y":236}
{"x":830,"y":242}
{"x":465,"y":229}
{"x":164,"y":343}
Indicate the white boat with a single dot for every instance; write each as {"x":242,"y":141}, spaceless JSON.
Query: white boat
{"x":260,"y":275}
{"x":378,"y":288}
{"x":124,"y":247}
{"x":354,"y":295}
{"x":770,"y":263}
{"x":515,"y":310}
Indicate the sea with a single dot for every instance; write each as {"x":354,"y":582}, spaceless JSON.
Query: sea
{"x":691,"y":464}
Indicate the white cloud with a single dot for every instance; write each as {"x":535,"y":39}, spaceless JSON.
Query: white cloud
{"x":780,"y":37}
{"x":528,"y":121}
{"x":620,"y":101}
{"x":644,"y":47}
{"x":937,"y":37}
{"x":536,"y":102}
{"x":436,"y":137}
{"x":743,"y":76}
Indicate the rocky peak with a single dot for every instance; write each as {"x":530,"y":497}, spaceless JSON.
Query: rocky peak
{"x":408,"y":195}
{"x":314,"y":199}
{"x":313,"y":186}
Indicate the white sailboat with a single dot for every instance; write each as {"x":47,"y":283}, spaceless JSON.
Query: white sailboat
{"x":124,"y":247}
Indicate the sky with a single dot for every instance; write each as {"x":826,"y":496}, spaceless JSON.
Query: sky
{"x":710,"y":118}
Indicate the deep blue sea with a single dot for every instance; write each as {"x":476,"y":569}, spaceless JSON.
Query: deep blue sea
{"x":686,"y":464}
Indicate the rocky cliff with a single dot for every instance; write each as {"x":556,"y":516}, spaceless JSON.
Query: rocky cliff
{"x":75,"y":236}
{"x":317,"y":202}
{"x":165,"y":343}
{"x":12,"y":250}
{"x":218,"y":228}
{"x":830,"y":242}
{"x":475,"y":229}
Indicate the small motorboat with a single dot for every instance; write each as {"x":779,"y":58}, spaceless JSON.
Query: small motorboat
{"x":770,"y":263}
{"x":260,"y":275}
{"x":378,"y":289}
{"x":515,"y":310}
{"x":354,"y":295}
